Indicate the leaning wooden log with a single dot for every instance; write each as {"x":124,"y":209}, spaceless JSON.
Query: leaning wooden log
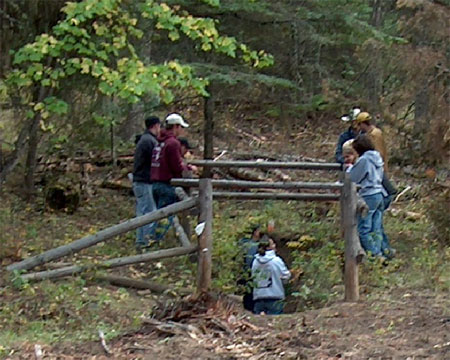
{"x":274,"y":196}
{"x":268,"y":164}
{"x":103,"y":235}
{"x":141,"y":284}
{"x":226,"y":184}
{"x":180,"y":232}
{"x":109,"y":264}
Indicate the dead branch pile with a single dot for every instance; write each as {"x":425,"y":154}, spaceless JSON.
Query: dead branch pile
{"x":199,"y":315}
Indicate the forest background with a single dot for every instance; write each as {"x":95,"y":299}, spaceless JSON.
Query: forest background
{"x":78,"y":78}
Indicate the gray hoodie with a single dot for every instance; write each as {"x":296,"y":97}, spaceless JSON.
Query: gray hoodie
{"x":268,"y":273}
{"x":368,"y":173}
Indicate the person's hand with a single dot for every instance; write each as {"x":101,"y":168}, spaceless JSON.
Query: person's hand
{"x":194,"y":169}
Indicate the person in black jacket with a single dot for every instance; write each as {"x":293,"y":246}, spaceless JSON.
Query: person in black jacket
{"x":349,"y":134}
{"x":142,"y":185}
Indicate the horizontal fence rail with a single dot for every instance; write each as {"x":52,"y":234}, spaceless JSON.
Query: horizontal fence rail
{"x":267,"y":165}
{"x":261,"y":184}
{"x":272,"y":196}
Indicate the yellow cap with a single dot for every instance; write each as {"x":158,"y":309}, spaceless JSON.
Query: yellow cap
{"x":363,"y":117}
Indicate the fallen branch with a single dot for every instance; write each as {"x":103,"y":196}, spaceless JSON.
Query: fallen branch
{"x":171,"y":327}
{"x":141,"y":284}
{"x":402,"y":193}
{"x":103,"y":342}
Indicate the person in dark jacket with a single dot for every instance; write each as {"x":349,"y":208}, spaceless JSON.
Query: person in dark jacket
{"x":349,"y":134}
{"x":248,"y":247}
{"x":142,"y":185}
{"x":167,"y":163}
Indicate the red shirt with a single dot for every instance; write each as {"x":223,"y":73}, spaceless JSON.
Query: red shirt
{"x":167,"y":162}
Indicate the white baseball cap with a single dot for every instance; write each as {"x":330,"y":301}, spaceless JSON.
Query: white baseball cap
{"x":176,"y":119}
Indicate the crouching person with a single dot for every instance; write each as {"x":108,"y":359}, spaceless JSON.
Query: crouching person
{"x":268,"y":272}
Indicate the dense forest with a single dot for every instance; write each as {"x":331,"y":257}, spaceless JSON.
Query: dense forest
{"x":255,"y":79}
{"x":71,"y":71}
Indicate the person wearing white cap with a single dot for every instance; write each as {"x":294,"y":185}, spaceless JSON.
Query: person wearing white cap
{"x":349,"y":134}
{"x":167,"y":162}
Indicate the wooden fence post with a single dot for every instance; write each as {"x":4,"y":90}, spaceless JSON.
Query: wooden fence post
{"x":205,"y":238}
{"x":352,"y":245}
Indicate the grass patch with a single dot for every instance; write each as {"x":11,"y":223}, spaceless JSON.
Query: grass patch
{"x":74,"y":309}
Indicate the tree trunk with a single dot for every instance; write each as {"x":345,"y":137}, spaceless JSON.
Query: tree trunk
{"x":422,"y":105}
{"x":30,"y":166}
{"x":374,"y":73}
{"x":33,"y":142}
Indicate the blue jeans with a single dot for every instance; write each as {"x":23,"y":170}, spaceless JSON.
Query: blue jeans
{"x":164,"y":195}
{"x":269,"y":306}
{"x":144,"y":205}
{"x":385,"y":244}
{"x":369,"y":227}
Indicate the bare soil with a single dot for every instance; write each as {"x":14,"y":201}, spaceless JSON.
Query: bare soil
{"x":398,"y":325}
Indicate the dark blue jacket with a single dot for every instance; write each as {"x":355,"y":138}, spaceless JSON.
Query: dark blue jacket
{"x":345,"y":136}
{"x":143,"y":157}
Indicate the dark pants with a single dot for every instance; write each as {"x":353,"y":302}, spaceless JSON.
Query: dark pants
{"x":164,"y":195}
{"x":247,"y":301}
{"x":268,"y":306}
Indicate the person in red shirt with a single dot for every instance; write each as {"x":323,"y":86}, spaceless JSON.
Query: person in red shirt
{"x":167,"y":162}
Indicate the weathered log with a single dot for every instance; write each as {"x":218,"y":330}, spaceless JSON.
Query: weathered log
{"x":261,"y":184}
{"x":205,"y":242}
{"x":278,"y":196}
{"x":103,"y":235}
{"x":268,"y":164}
{"x":353,"y":250}
{"x":246,"y":174}
{"x":141,"y":284}
{"x":109,"y":264}
{"x":180,"y":232}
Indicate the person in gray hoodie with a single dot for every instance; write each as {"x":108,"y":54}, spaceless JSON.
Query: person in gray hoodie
{"x":268,"y":273}
{"x":367,"y":172}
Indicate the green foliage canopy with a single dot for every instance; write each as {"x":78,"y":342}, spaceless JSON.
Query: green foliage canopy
{"x":95,"y":41}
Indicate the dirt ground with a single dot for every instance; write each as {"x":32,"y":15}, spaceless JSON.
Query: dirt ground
{"x":398,"y":325}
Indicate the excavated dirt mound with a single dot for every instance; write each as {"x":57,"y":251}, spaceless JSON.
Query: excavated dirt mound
{"x":402,"y":325}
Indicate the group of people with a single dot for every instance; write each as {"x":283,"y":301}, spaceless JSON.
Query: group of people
{"x":264,"y":273}
{"x":361,"y":150}
{"x":158,"y":159}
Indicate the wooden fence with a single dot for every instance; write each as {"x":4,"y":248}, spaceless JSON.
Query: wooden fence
{"x":203,"y":201}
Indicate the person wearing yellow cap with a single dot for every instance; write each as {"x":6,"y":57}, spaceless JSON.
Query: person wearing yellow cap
{"x":363,"y":124}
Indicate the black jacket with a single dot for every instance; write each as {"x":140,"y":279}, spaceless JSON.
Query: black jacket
{"x":143,"y":157}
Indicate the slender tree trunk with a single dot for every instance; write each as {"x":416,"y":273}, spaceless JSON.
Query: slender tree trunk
{"x":33,"y":142}
{"x":421,"y":111}
{"x":375,"y":73}
{"x":208,"y":152}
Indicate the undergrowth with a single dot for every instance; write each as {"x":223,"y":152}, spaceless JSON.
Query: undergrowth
{"x":75,"y":308}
